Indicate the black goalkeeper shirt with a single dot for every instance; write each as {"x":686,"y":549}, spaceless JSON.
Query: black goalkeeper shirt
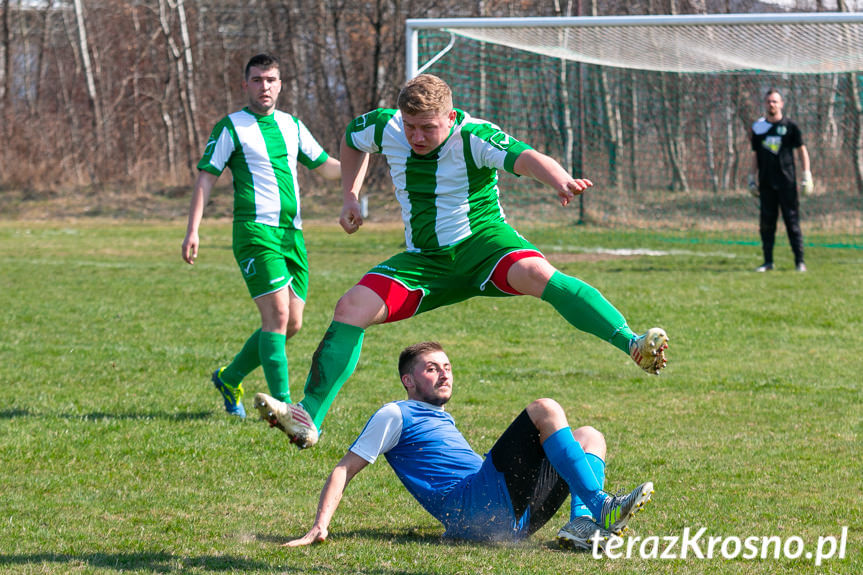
{"x":774,"y":143}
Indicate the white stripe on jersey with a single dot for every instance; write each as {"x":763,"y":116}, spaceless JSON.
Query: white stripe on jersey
{"x":268,"y":205}
{"x":224,"y":147}
{"x":288,"y":128}
{"x":393,"y":139}
{"x":452,"y":178}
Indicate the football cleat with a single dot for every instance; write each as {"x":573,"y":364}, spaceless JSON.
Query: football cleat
{"x":617,"y":510}
{"x":764,"y":268}
{"x":580,"y":533}
{"x":233,"y":396}
{"x":801,"y":267}
{"x":648,"y":350}
{"x":291,"y":418}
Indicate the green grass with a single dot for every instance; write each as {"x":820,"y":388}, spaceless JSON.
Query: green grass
{"x":115,"y":454}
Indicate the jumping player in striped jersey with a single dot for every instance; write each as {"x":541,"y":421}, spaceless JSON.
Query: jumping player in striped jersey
{"x":262,"y":146}
{"x":444,"y":167}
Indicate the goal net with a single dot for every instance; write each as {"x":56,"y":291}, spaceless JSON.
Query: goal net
{"x":656,"y":110}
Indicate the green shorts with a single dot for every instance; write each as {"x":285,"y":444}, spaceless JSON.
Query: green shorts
{"x":271,"y":258}
{"x":411,"y":283}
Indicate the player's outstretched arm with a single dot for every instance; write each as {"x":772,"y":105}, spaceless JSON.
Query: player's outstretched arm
{"x":331,"y":169}
{"x":331,"y":496}
{"x":546,"y":169}
{"x":354,"y":166}
{"x":201,"y":195}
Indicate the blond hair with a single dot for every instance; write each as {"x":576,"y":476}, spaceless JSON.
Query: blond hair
{"x":425,"y":93}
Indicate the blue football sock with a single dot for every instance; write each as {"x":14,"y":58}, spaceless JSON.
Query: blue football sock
{"x":568,"y":458}
{"x":577,"y":506}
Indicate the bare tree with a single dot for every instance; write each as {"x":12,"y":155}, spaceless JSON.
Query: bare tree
{"x":611,"y":117}
{"x":730,"y":151}
{"x":670,"y":88}
{"x":6,"y":51}
{"x":189,"y":84}
{"x":70,"y":157}
{"x":39,"y":69}
{"x":634,"y":135}
{"x":6,"y":68}
{"x":181,"y":56}
{"x":336,"y":12}
{"x":90,"y":79}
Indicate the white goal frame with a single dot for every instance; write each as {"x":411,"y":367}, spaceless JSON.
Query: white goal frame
{"x":850,"y":41}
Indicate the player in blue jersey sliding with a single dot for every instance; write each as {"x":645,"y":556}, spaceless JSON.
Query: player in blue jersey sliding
{"x":522,"y":482}
{"x":262,"y":146}
{"x":444,"y":166}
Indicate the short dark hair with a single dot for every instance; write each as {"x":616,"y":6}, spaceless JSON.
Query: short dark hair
{"x":264,"y":61}
{"x":409,"y":355}
{"x":773,"y":91}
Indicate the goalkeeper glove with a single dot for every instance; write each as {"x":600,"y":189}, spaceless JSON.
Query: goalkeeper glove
{"x":807,"y":184}
{"x":753,"y":186}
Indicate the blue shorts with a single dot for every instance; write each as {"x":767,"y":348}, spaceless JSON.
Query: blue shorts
{"x":514,"y":493}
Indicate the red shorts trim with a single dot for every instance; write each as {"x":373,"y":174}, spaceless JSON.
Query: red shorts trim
{"x":498,"y":275}
{"x":401,"y":302}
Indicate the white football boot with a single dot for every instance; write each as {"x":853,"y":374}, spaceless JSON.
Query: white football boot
{"x":580,"y":533}
{"x":648,"y":350}
{"x":290,"y":418}
{"x":617,"y":510}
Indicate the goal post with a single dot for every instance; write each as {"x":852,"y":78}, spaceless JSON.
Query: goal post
{"x":657,"y":109}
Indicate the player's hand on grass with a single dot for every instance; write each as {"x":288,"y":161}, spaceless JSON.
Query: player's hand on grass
{"x":190,"y":248}
{"x":352,"y":216}
{"x":315,"y":535}
{"x":574,"y":187}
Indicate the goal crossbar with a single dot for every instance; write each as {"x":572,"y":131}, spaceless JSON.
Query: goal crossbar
{"x":797,"y":43}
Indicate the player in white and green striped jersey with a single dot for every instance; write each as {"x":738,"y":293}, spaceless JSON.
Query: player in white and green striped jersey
{"x":444,"y":165}
{"x":262,"y":147}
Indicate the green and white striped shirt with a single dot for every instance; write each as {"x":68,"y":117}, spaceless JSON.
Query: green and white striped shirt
{"x":447,"y":194}
{"x":262,"y":153}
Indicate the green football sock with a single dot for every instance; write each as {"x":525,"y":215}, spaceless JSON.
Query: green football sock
{"x":333,"y":363}
{"x":244,"y":362}
{"x":586,"y":309}
{"x":275,"y":364}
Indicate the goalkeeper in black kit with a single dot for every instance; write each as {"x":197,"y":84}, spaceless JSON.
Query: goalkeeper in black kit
{"x":773,"y":179}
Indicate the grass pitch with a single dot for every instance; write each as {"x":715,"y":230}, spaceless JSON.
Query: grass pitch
{"x":115,"y":454}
